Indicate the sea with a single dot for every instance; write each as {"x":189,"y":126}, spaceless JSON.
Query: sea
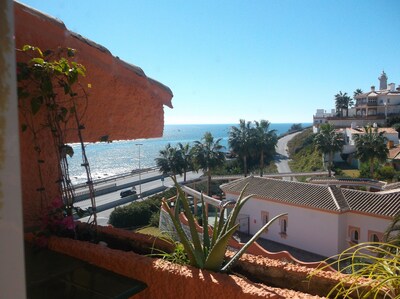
{"x":118,"y":157}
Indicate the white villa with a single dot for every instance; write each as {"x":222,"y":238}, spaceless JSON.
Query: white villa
{"x":375,"y":106}
{"x":385,"y":101}
{"x":321,"y":219}
{"x":349,"y":133}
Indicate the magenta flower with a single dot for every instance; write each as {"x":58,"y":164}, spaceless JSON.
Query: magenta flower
{"x":57,"y":203}
{"x":68,"y":223}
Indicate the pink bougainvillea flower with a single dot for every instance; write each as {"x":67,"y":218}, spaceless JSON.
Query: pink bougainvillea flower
{"x":57,"y":203}
{"x":68,"y":223}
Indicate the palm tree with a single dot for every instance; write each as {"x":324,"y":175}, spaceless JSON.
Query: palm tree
{"x":185,"y":152}
{"x":207,"y":155}
{"x":170,"y":161}
{"x":343,"y":101}
{"x":371,"y":147}
{"x":357,"y":92}
{"x":240,"y":141}
{"x":328,"y":141}
{"x":265,"y":141}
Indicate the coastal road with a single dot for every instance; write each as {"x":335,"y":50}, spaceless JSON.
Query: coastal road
{"x":282,"y":156}
{"x":109,"y":198}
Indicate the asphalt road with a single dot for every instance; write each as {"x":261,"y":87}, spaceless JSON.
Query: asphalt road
{"x":102,"y":217}
{"x":282,"y":156}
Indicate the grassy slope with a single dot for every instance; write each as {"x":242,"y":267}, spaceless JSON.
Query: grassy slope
{"x":304,"y":156}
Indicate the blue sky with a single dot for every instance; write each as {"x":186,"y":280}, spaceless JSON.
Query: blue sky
{"x":226,"y":60}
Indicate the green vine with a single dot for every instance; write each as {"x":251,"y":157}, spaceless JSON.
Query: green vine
{"x":47,"y":91}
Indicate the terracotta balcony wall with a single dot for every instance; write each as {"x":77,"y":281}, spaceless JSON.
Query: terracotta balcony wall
{"x":123,"y":103}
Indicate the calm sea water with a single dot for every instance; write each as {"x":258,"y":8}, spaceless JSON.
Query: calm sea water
{"x":107,"y":159}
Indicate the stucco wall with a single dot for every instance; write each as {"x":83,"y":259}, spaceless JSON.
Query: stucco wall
{"x":123,"y":103}
{"x":366,"y":223}
{"x":12,"y":271}
{"x":312,"y":230}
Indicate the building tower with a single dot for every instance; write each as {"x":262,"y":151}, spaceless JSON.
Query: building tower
{"x":383,"y":81}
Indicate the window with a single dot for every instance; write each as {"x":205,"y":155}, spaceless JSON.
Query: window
{"x":264,"y":219}
{"x":284,"y":226}
{"x":374,"y":236}
{"x":354,"y":234}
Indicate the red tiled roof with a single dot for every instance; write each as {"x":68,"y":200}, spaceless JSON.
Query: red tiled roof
{"x":318,"y":196}
{"x":309,"y":195}
{"x":379,"y":130}
{"x":394,"y":153}
{"x":374,"y":203}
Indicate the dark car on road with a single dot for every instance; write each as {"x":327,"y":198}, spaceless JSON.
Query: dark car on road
{"x":128,"y":192}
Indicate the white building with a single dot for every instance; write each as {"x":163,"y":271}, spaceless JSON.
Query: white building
{"x":321,"y":219}
{"x":375,"y":106}
{"x":383,"y":102}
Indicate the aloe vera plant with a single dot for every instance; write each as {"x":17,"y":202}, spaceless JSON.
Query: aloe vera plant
{"x":209,"y":253}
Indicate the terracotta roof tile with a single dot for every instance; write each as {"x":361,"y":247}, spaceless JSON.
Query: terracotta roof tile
{"x":375,"y":203}
{"x":362,"y":130}
{"x":309,"y":195}
{"x":318,"y":196}
{"x":394,"y":153}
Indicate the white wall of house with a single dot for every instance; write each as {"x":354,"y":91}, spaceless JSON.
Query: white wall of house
{"x":312,"y":230}
{"x":350,"y":142}
{"x":366,"y":223}
{"x":342,"y":233}
{"x":317,"y":231}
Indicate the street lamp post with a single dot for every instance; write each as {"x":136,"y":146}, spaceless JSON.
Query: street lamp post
{"x":140,"y":173}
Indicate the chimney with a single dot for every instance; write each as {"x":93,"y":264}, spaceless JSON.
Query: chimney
{"x":390,"y":144}
{"x":372,"y":88}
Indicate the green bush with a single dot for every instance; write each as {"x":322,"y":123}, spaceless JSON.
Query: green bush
{"x":365,"y":170}
{"x":136,"y":214}
{"x":386,"y":173}
{"x":154,"y":219}
{"x":140,"y":213}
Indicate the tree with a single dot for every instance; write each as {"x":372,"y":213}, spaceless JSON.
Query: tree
{"x":170,"y":161}
{"x":240,"y":141}
{"x":265,"y":141}
{"x":371,"y":147}
{"x":296,"y":127}
{"x":343,"y":102}
{"x":185,"y":152}
{"x":357,"y":92}
{"x":328,"y":141}
{"x":207,"y":154}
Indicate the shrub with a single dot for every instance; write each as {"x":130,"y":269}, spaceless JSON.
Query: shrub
{"x":140,"y":213}
{"x":386,"y":173}
{"x":365,"y":169}
{"x":155,"y":219}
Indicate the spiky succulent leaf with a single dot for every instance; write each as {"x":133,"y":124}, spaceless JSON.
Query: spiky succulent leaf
{"x":192,"y":225}
{"x":183,"y":238}
{"x":218,"y":225}
{"x":238,"y":206}
{"x":217,"y":253}
{"x":251,"y":241}
{"x":236,"y":209}
{"x":206,"y":237}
